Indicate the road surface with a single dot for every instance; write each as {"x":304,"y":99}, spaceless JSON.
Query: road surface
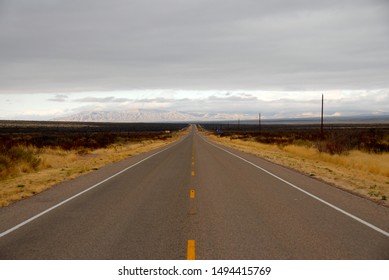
{"x":194,"y":200}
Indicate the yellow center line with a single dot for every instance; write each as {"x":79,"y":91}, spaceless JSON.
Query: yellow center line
{"x":191,"y":253}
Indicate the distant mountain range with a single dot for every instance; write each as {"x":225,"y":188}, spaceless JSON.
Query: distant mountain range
{"x":362,"y":119}
{"x":150,"y":116}
{"x":176,"y":116}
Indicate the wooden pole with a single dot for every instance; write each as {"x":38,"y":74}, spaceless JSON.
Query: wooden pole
{"x":322,"y":120}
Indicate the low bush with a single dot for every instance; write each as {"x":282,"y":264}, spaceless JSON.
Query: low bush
{"x":19,"y":157}
{"x":334,"y":140}
{"x":20,"y":152}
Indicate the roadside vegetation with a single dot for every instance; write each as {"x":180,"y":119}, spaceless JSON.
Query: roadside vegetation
{"x":351,"y":157}
{"x":33,"y":161}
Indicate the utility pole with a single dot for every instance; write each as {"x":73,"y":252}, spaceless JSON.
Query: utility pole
{"x":322,"y":122}
{"x":238,"y":124}
{"x":259,"y":123}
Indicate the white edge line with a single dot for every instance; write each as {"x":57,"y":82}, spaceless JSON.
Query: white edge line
{"x":307,"y":193}
{"x":84,"y":191}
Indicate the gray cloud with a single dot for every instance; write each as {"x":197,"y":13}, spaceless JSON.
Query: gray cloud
{"x":59,"y":98}
{"x":110,"y":99}
{"x":95,"y":45}
{"x":238,"y":103}
{"x":243,"y":97}
{"x":163,"y":100}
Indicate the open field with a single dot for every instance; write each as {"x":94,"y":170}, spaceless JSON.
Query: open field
{"x":352,"y":157}
{"x":35,"y":156}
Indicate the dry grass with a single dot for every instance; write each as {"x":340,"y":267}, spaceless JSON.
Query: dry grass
{"x":362,"y":173}
{"x":58,"y":165}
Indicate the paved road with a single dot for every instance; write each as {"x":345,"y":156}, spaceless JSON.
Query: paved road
{"x":195,"y":200}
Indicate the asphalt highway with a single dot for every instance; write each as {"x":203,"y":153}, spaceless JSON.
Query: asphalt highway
{"x":194,"y":200}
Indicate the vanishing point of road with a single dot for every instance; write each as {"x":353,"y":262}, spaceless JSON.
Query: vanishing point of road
{"x":194,"y":199}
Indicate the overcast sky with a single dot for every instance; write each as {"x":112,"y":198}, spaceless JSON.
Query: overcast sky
{"x":243,"y":56}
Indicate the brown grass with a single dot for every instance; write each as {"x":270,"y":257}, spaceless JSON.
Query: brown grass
{"x":57,"y":165}
{"x":363,"y":173}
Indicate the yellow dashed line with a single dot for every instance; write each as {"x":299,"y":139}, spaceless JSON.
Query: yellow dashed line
{"x":191,"y":253}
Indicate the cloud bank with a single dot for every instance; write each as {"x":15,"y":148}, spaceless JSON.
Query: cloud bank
{"x":95,"y":45}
